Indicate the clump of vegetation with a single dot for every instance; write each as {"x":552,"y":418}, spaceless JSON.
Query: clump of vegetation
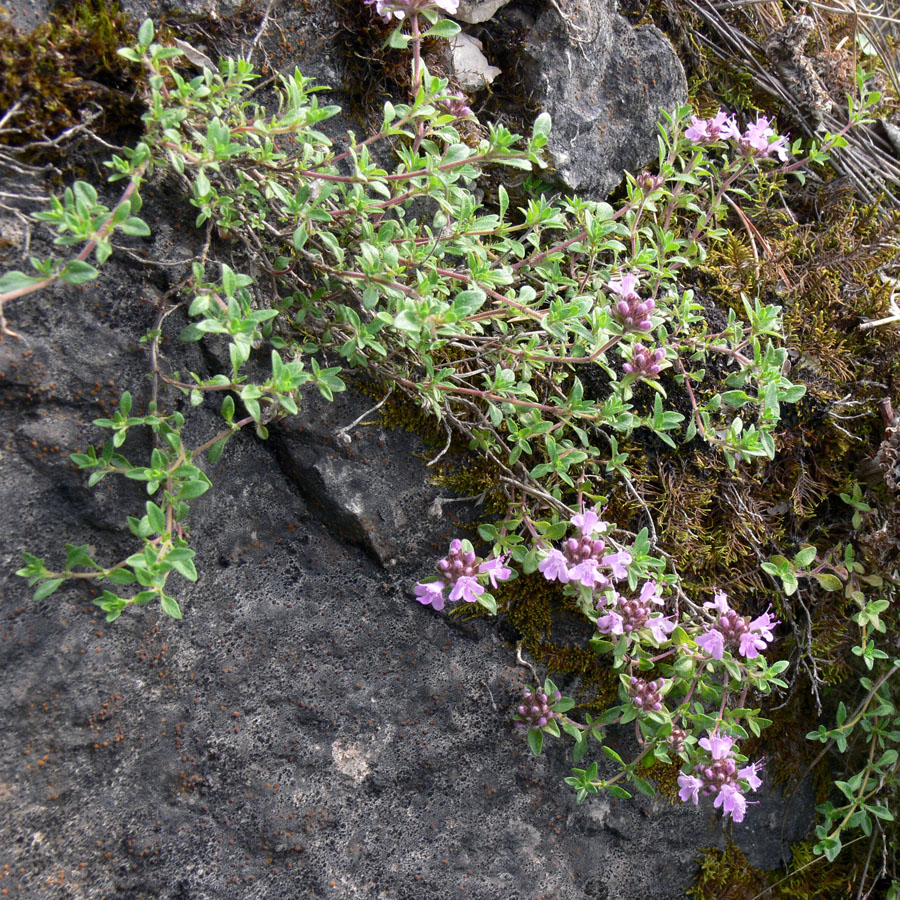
{"x":66,"y":69}
{"x":689,"y":360}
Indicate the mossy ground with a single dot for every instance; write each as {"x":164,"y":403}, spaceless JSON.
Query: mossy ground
{"x":66,"y":67}
{"x":816,"y":250}
{"x":820,"y":253}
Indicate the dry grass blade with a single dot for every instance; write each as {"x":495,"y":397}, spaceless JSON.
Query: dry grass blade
{"x":735,"y":29}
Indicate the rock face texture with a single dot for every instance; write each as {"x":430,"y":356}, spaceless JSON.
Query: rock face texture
{"x":604,"y":83}
{"x":307,"y":730}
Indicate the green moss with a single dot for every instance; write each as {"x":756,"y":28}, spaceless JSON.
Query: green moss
{"x":813,"y":879}
{"x":64,"y":66}
{"x":726,"y":875}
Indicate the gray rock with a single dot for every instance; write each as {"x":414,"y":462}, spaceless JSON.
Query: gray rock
{"x":604,"y":83}
{"x":307,"y":730}
{"x":475,"y":11}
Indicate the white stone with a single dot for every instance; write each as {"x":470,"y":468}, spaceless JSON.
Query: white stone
{"x":472,"y":70}
{"x":474,"y":11}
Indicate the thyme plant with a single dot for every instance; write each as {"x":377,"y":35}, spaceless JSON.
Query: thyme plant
{"x":534,"y":331}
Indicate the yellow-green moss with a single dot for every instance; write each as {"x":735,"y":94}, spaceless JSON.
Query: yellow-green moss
{"x":726,"y":875}
{"x":65,"y":65}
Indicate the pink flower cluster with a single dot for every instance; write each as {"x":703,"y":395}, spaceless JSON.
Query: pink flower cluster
{"x":759,"y":140}
{"x":649,"y":183}
{"x":707,"y":131}
{"x":645,"y":363}
{"x":750,"y":636}
{"x":457,"y":105}
{"x":721,"y":778}
{"x":581,"y":557}
{"x":677,"y":737}
{"x":629,"y":615}
{"x":646,"y":695}
{"x":462,"y":571}
{"x":629,"y":309}
{"x":404,"y":9}
{"x":535,"y":709}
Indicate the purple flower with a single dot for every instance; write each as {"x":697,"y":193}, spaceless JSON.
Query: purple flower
{"x":721,"y":777}
{"x":625,"y":286}
{"x":650,"y":593}
{"x":690,"y":788}
{"x":535,"y":709}
{"x":611,"y":623}
{"x":466,"y":588}
{"x":748,"y":774}
{"x":751,"y":644}
{"x":660,"y":627}
{"x":554,"y":567}
{"x":649,"y":183}
{"x":646,"y":695}
{"x":619,"y":563}
{"x":732,"y":801}
{"x":589,"y":522}
{"x":713,"y":643}
{"x":707,"y":131}
{"x":588,"y":574}
{"x":760,"y":140}
{"x":402,"y":9}
{"x":719,"y":745}
{"x":731,"y":628}
{"x":431,"y":592}
{"x":719,"y":602}
{"x":763,"y":625}
{"x":629,"y":309}
{"x":627,"y":616}
{"x":455,"y":104}
{"x":496,"y":570}
{"x":645,"y":363}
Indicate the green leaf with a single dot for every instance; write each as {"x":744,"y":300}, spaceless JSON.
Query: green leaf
{"x":503,"y":200}
{"x":15,"y":281}
{"x":617,"y":791}
{"x":191,"y":489}
{"x":156,"y":517}
{"x":170,"y":606}
{"x":47,"y":588}
{"x":488,"y":602}
{"x":805,"y":556}
{"x":183,"y":566}
{"x":228,"y":408}
{"x":612,"y":754}
{"x":535,"y":740}
{"x":572,"y":730}
{"x":135,"y":227}
{"x":191,"y":333}
{"x":121,"y":576}
{"x":77,"y":556}
{"x":542,"y":126}
{"x":467,"y":303}
{"x":202,"y":187}
{"x":229,"y":280}
{"x":77,"y":271}
{"x":443,"y":29}
{"x":145,"y":33}
{"x":829,"y":582}
{"x":215,"y":451}
{"x":398,"y":40}
{"x":488,"y":532}
{"x":881,"y":812}
{"x":644,"y":786}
